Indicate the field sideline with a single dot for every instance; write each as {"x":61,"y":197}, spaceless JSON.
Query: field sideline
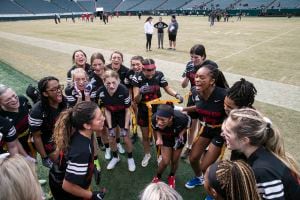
{"x":263,"y":48}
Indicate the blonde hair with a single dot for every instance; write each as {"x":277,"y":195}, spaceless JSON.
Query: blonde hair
{"x":159,"y":191}
{"x":111,"y":73}
{"x":79,"y":71}
{"x":261,"y":132}
{"x":18,"y":179}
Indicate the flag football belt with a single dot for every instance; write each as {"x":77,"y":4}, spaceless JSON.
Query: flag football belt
{"x":203,"y":125}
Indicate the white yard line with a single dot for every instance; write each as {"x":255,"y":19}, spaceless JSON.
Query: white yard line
{"x":271,"y":92}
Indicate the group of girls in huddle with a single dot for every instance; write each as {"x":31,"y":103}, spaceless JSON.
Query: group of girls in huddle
{"x":98,"y":104}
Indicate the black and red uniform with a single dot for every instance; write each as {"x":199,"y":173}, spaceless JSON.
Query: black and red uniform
{"x":169,"y":134}
{"x":88,"y":69}
{"x":72,"y":96}
{"x":116,"y":104}
{"x":274,"y":179}
{"x":211,"y":114}
{"x":7,"y":133}
{"x":128,"y":78}
{"x":122,"y":72}
{"x":156,"y":82}
{"x":20,"y":121}
{"x":76,"y":166}
{"x":190,"y":72}
{"x":42,"y":118}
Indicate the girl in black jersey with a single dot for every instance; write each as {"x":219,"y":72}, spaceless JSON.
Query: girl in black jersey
{"x":80,"y":61}
{"x":146,"y":87}
{"x":16,"y":109}
{"x":116,"y":100}
{"x":117,"y":59}
{"x":240,"y":95}
{"x":135,"y":67}
{"x":43,"y":117}
{"x":98,"y":66}
{"x":170,"y":127}
{"x":208,"y":98}
{"x":80,"y":89}
{"x":198,"y":59}
{"x":73,"y":136}
{"x":276,"y":172}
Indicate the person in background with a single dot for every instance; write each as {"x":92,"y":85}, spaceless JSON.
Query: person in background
{"x":160,"y":25}
{"x":172,"y":32}
{"x":231,"y":180}
{"x":161,"y":191}
{"x":276,"y":172}
{"x":148,"y":28}
{"x":18,"y":179}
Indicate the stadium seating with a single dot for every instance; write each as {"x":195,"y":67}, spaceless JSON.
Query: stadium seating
{"x":223,"y":4}
{"x":9,"y":7}
{"x":286,"y":4}
{"x":87,"y":5}
{"x":148,"y":5}
{"x":254,"y":4}
{"x":173,"y":4}
{"x":108,"y":5}
{"x":38,"y":6}
{"x":195,"y":4}
{"x":127,"y":4}
{"x":67,"y":5}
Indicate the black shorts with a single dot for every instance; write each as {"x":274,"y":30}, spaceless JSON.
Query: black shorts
{"x":214,"y":134}
{"x":172,"y":37}
{"x":169,"y":141}
{"x":142,"y":116}
{"x":193,"y":115}
{"x":118,"y":119}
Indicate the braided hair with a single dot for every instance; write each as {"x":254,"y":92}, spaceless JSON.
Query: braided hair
{"x":233,"y":180}
{"x":242,"y":93}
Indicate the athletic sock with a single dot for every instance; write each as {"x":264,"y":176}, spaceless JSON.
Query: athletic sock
{"x":129,"y":155}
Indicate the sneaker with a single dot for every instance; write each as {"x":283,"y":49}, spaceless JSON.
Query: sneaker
{"x":107,"y":154}
{"x":131,"y":164}
{"x":120,"y":148}
{"x":194,"y":182}
{"x":186,"y":153}
{"x":159,"y":159}
{"x":113,"y":163}
{"x":208,"y":197}
{"x":42,"y":181}
{"x":146,"y":159}
{"x":171,"y":181}
{"x":155,"y":179}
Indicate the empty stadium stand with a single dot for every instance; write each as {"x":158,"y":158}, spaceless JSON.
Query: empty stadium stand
{"x":67,"y":5}
{"x":108,"y":5}
{"x":173,"y":4}
{"x":126,"y":5}
{"x":10,"y":7}
{"x":148,"y":5}
{"x":38,"y":6}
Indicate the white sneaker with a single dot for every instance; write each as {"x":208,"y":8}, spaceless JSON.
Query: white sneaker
{"x":146,"y":159}
{"x":113,"y":163}
{"x":131,"y":164}
{"x":159,"y":159}
{"x":120,"y":148}
{"x":107,"y":154}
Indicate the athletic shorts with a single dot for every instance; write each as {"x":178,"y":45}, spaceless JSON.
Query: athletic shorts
{"x":142,"y":116}
{"x":193,"y":115}
{"x":169,"y":141}
{"x":214,"y":134}
{"x":172,"y":37}
{"x":118,"y":119}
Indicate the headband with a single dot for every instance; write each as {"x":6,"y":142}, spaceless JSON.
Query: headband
{"x":151,"y":66}
{"x":164,"y":113}
{"x":213,"y":181}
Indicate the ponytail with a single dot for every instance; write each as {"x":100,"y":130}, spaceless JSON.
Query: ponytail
{"x":63,"y":130}
{"x":261,"y":132}
{"x":218,"y":75}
